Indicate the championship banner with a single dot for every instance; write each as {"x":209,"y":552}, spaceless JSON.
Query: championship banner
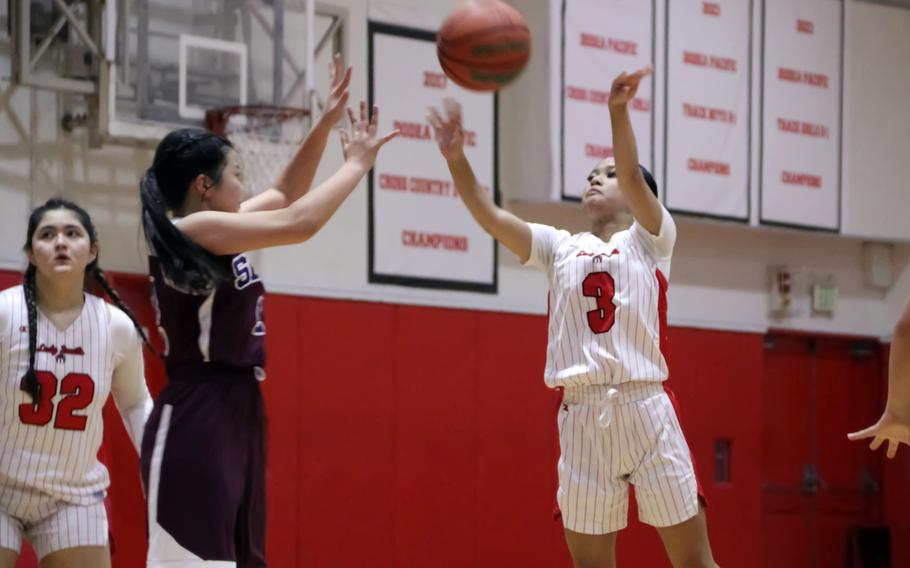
{"x":801,"y":113}
{"x":421,"y":234}
{"x":708,"y":124}
{"x":599,"y":39}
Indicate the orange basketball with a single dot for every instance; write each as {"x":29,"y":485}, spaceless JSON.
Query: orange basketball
{"x":483,"y":45}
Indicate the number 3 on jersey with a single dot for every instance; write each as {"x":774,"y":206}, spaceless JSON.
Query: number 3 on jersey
{"x":79,"y":389}
{"x":601,"y":287}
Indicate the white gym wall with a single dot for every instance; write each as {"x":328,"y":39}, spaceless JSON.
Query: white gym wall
{"x":720,"y":274}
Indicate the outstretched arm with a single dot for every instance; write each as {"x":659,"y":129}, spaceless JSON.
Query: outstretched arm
{"x":502,"y":225}
{"x":223,"y":233}
{"x":297,"y":177}
{"x":645,"y":207}
{"x":894,"y":424}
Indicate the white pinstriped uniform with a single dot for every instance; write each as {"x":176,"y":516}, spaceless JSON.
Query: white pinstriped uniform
{"x":52,"y":485}
{"x":607,"y":323}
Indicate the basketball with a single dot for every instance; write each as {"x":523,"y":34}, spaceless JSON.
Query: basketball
{"x":483,"y":45}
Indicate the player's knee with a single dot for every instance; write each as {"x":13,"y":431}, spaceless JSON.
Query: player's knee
{"x":695,"y":558}
{"x":593,"y":558}
{"x":594,"y":562}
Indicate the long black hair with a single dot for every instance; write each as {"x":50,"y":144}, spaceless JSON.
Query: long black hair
{"x":180,"y":158}
{"x":30,"y":380}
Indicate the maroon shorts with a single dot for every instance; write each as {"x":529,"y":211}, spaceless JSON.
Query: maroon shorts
{"x":203,"y":467}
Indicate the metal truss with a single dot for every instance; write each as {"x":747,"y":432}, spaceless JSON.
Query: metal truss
{"x":28,"y":56}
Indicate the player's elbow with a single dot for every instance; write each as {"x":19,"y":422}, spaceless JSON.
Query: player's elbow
{"x":304,"y":232}
{"x":630,"y":178}
{"x":298,"y":227}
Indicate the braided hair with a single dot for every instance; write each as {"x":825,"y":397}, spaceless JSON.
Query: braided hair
{"x":30,"y":380}
{"x":29,"y":285}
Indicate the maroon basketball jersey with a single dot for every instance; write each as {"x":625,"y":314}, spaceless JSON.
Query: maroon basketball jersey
{"x":224,"y":327}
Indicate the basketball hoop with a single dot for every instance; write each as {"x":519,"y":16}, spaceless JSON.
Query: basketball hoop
{"x":265,"y":136}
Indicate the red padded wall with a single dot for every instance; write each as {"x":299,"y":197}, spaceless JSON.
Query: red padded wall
{"x":717,"y":378}
{"x":405,"y":436}
{"x":281,"y":392}
{"x":346,"y":426}
{"x":517,"y":445}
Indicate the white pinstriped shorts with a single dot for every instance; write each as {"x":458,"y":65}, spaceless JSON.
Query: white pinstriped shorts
{"x":642,"y":446}
{"x":51,"y":525}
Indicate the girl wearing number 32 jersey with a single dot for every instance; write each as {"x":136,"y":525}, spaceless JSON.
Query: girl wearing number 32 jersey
{"x":62,"y":351}
{"x":607,"y":346}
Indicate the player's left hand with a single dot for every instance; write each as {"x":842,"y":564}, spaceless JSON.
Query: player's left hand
{"x":362,"y":142}
{"x":888,"y":428}
{"x":448,"y":129}
{"x":625,"y":86}
{"x":337,"y":102}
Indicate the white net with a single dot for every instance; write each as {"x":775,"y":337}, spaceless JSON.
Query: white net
{"x":265,"y":137}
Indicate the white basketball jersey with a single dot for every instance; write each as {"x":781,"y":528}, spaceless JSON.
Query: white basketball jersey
{"x":52,"y":446}
{"x":607,"y":321}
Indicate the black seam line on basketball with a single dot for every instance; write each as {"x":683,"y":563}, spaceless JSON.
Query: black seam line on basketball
{"x":452,"y":74}
{"x":499,"y":80}
{"x":467,"y":83}
{"x":500,"y":61}
{"x":473,"y":63}
{"x":447,"y":47}
{"x":473,"y":35}
{"x":524,"y":53}
{"x":484,"y":74}
{"x":520,"y":59}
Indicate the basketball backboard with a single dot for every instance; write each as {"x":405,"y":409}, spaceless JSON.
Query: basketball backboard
{"x":175,"y":59}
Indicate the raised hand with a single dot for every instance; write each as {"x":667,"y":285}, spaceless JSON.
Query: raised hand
{"x":625,"y":87}
{"x":448,"y":130}
{"x":889,"y":428}
{"x":338,"y":96}
{"x":361,"y":143}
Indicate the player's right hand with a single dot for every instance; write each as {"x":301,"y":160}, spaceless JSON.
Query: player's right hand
{"x":448,"y":130}
{"x":625,"y":86}
{"x":361,"y":144}
{"x":889,"y":428}
{"x":338,"y":96}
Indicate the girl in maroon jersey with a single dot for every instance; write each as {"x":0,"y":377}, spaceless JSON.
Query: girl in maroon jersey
{"x":203,"y":460}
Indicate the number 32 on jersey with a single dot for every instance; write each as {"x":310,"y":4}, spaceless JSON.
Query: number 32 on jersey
{"x":78,"y":390}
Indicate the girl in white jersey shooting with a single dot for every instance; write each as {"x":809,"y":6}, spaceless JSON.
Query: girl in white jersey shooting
{"x":62,"y":351}
{"x":607,"y":339}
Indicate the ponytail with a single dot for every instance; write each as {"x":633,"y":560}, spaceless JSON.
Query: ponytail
{"x":185,"y":265}
{"x":180,"y":158}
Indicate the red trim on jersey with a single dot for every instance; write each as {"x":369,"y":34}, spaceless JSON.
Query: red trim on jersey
{"x":701,"y":490}
{"x":557,"y":514}
{"x":664,"y":341}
